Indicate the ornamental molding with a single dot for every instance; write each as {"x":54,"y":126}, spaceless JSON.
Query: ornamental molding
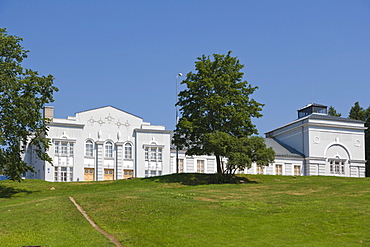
{"x":357,"y":143}
{"x":109,"y":120}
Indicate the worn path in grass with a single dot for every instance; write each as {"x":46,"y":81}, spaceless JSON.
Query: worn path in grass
{"x":109,"y":236}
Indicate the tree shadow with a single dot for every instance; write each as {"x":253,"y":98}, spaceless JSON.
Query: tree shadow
{"x":200,"y":179}
{"x":8,"y":191}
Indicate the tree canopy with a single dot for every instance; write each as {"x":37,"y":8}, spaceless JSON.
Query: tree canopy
{"x":23,"y":93}
{"x":333,"y":112}
{"x":217,"y":114}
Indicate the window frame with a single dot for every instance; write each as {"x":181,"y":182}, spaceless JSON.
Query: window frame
{"x":108,"y":150}
{"x":200,"y":166}
{"x":128,"y":151}
{"x":153,"y":153}
{"x":89,"y":148}
{"x":181,"y":165}
{"x":277,"y":170}
{"x":337,"y":166}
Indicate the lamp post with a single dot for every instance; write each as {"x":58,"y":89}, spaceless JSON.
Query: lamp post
{"x":177,"y":121}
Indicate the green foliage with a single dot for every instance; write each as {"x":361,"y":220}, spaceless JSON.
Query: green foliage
{"x":359,"y":113}
{"x":162,"y":211}
{"x":333,"y":112}
{"x":240,"y":151}
{"x":22,"y":94}
{"x":216,"y":114}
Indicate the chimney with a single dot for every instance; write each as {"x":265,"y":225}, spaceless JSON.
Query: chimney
{"x":49,"y":112}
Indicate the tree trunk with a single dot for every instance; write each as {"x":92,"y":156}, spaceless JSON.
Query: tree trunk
{"x":218,"y":162}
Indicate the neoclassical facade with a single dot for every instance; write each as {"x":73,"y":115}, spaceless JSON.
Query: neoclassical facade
{"x":328,"y":145}
{"x":107,"y":144}
{"x":102,"y":144}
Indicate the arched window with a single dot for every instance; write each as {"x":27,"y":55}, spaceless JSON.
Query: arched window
{"x":128,"y":151}
{"x":89,"y":148}
{"x":109,"y":150}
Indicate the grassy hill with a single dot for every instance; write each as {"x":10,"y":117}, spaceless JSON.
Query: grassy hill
{"x":180,"y":210}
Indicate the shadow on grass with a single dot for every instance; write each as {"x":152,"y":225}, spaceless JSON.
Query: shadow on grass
{"x":199,"y":179}
{"x":8,"y":192}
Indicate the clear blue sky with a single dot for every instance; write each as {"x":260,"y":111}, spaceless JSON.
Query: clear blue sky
{"x":127,"y":53}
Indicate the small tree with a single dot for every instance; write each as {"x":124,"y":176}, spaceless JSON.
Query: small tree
{"x":333,"y":112}
{"x":23,"y":93}
{"x":216,"y":115}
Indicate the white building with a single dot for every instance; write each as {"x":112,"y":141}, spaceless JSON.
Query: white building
{"x":331,"y":146}
{"x":107,"y":143}
{"x":102,"y":144}
{"x":314,"y":144}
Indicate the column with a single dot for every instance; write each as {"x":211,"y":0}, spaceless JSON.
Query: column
{"x":99,"y":170}
{"x":119,"y":160}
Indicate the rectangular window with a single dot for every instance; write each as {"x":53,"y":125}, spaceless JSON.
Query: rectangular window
{"x":153,"y":154}
{"x":159,"y":154}
{"x":109,"y":150}
{"x":56,"y":148}
{"x":71,"y":146}
{"x":56,"y":174}
{"x":153,"y":173}
{"x":331,"y":167}
{"x":64,"y":148}
{"x":89,"y":149}
{"x":297,"y":170}
{"x":63,"y":174}
{"x":146,"y":173}
{"x":336,"y":167}
{"x":200,"y":166}
{"x":259,"y":169}
{"x":146,"y":153}
{"x":181,"y":165}
{"x":128,"y":151}
{"x":71,"y":174}
{"x":279,"y":169}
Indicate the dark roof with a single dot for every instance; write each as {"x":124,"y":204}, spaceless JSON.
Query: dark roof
{"x":282,"y":149}
{"x":329,"y":117}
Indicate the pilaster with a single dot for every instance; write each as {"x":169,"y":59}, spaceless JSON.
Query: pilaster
{"x":99,"y":161}
{"x":119,"y":160}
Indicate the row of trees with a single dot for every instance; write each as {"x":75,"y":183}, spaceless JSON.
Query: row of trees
{"x":359,"y":113}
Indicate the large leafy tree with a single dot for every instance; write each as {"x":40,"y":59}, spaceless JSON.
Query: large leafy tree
{"x":217,"y":114}
{"x":23,"y":93}
{"x":359,"y":113}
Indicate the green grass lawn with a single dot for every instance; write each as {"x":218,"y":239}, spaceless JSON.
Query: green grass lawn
{"x":181,"y":210}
